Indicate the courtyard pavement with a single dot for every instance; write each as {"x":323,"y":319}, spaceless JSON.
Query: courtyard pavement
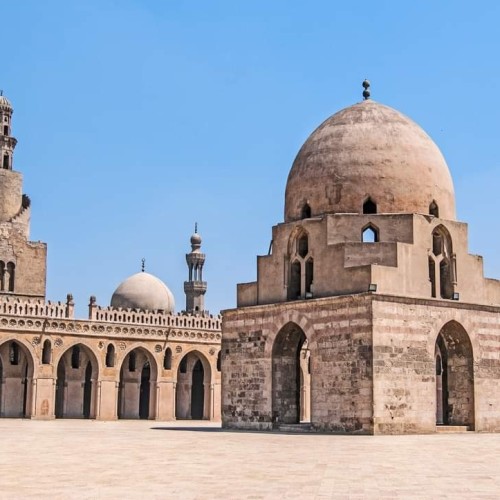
{"x":194,"y":460}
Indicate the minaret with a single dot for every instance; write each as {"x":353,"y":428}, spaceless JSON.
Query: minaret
{"x":195,"y":287}
{"x":11,"y":183}
{"x":7,"y":142}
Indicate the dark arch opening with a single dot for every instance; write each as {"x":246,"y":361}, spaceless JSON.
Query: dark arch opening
{"x":167,"y":359}
{"x":294,"y":285}
{"x":286,"y":387}
{"x":305,"y":212}
{"x":87,"y":391}
{"x":46,"y":352}
{"x":75,"y":357}
{"x":60,"y":389}
{"x":369,"y":207}
{"x":309,"y":277}
{"x":144,"y":391}
{"x":434,"y":209}
{"x":219,"y":356}
{"x":197,"y":391}
{"x":303,"y":245}
{"x":11,"y":268}
{"x":110,"y":356}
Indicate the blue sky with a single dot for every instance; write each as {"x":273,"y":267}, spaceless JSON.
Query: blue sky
{"x":136,"y":118}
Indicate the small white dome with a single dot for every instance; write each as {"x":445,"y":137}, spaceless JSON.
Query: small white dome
{"x":143,"y":291}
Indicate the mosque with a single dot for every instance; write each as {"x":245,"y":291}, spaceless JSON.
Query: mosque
{"x":135,"y":358}
{"x":368,"y":314}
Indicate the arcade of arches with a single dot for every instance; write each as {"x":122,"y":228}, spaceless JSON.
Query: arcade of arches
{"x":82,"y":380}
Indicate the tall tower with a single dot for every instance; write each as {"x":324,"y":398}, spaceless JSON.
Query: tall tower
{"x":22,"y":262}
{"x":195,"y":287}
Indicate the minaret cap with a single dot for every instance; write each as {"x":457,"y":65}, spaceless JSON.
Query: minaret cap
{"x":195,"y":238}
{"x":366,"y":92}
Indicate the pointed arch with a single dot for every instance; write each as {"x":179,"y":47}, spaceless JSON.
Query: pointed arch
{"x":369,"y":206}
{"x":137,"y":387}
{"x":454,"y":349}
{"x":76,"y":384}
{"x":286,"y":370}
{"x":193,"y":395}
{"x":370,"y":234}
{"x":306,"y":211}
{"x":18,"y":368}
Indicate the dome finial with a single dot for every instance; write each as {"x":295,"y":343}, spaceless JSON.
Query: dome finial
{"x":143,"y":264}
{"x":366,"y":92}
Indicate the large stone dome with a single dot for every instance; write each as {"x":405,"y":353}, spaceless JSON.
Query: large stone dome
{"x":368,"y":150}
{"x":143,"y":291}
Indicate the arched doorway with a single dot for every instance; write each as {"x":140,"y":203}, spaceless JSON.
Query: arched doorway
{"x":287,"y":392}
{"x":16,"y":375}
{"x":454,"y":376}
{"x":192,"y":394}
{"x":137,"y":389}
{"x":76,"y":386}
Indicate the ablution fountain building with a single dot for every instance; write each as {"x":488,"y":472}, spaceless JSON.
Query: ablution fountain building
{"x":368,"y":315}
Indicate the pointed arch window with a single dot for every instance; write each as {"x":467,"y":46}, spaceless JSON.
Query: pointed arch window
{"x":301,"y":263}
{"x":75,"y":357}
{"x":46,"y":352}
{"x":110,"y":356}
{"x":434,"y":209}
{"x":14,"y":353}
{"x":219,"y":360}
{"x":369,"y":234}
{"x":442,"y":264}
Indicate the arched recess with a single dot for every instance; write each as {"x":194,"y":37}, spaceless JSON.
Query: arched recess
{"x":193,"y":387}
{"x":305,"y":213}
{"x":110,"y":356}
{"x":434,"y":209}
{"x":137,"y":388}
{"x":16,"y":377}
{"x":76,"y":385}
{"x":286,"y":375}
{"x":454,"y":376}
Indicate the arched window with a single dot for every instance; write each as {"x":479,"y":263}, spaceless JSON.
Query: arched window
{"x":6,"y":161}
{"x":306,"y":212}
{"x":75,"y":357}
{"x":369,"y":234}
{"x":369,"y":207}
{"x":11,"y":269}
{"x":46,"y":352}
{"x":14,"y":353}
{"x":131,"y":361}
{"x":5,"y":130}
{"x":2,"y":275}
{"x":309,"y":276}
{"x":167,"y":359}
{"x":219,"y":361}
{"x":110,"y":356}
{"x":442,"y":264}
{"x":434,"y":209}
{"x":294,"y":284}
